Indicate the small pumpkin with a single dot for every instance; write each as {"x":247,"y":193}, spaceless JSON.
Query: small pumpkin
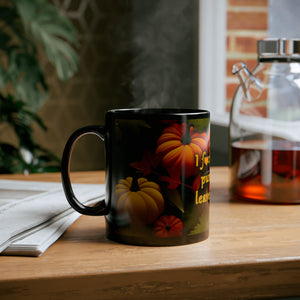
{"x":168,"y":226}
{"x":141,"y":198}
{"x":178,"y":145}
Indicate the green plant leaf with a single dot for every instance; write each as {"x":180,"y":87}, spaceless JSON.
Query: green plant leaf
{"x":53,"y":31}
{"x":28,"y":156}
{"x":3,"y":77}
{"x":33,"y":89}
{"x":24,"y":26}
{"x":63,"y":57}
{"x":8,"y":15}
{"x":9,"y":159}
{"x":4,"y":40}
{"x":13,"y":28}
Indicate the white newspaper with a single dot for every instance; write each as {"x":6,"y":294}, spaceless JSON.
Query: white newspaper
{"x":33,"y":215}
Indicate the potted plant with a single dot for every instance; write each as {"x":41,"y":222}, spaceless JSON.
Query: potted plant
{"x":27,"y":29}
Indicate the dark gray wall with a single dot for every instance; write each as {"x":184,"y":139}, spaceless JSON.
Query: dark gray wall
{"x":165,"y":53}
{"x":219,"y":144}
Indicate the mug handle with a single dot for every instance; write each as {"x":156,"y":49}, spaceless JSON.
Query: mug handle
{"x":99,"y":209}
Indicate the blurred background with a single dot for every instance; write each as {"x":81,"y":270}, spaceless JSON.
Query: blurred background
{"x":134,"y":53}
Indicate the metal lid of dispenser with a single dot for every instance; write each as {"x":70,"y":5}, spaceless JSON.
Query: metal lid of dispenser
{"x":285,"y":50}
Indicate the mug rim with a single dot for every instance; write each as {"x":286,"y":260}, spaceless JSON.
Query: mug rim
{"x":160,"y":112}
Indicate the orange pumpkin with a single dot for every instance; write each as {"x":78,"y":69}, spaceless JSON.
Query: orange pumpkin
{"x":140,"y":198}
{"x":168,"y":226}
{"x":178,"y":145}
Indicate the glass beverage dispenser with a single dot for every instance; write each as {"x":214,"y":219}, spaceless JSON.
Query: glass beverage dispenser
{"x":265,"y":125}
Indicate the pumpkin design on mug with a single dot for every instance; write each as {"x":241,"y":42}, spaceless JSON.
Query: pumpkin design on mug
{"x":158,"y":175}
{"x":178,"y":145}
{"x":168,"y":226}
{"x":141,"y":198}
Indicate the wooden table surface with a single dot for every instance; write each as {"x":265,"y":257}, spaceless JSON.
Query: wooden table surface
{"x":253,"y":252}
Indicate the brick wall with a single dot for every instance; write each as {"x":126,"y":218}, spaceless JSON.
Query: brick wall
{"x":247,"y":22}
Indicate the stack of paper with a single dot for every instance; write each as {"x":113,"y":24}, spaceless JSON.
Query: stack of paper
{"x":33,"y":215}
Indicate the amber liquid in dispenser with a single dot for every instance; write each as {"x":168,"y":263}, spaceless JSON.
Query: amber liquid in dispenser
{"x":267,"y":171}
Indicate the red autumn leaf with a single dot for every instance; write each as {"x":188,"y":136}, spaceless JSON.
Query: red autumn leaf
{"x":173,"y":180}
{"x":197,"y":183}
{"x":148,"y":161}
{"x":173,"y":184}
{"x":143,"y":166}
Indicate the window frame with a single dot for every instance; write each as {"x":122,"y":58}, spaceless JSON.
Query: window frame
{"x":212,"y":59}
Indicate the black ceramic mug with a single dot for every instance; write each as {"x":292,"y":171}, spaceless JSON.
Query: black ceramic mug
{"x":157,"y":175}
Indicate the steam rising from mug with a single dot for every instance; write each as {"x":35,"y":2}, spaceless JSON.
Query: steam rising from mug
{"x":165,"y":53}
